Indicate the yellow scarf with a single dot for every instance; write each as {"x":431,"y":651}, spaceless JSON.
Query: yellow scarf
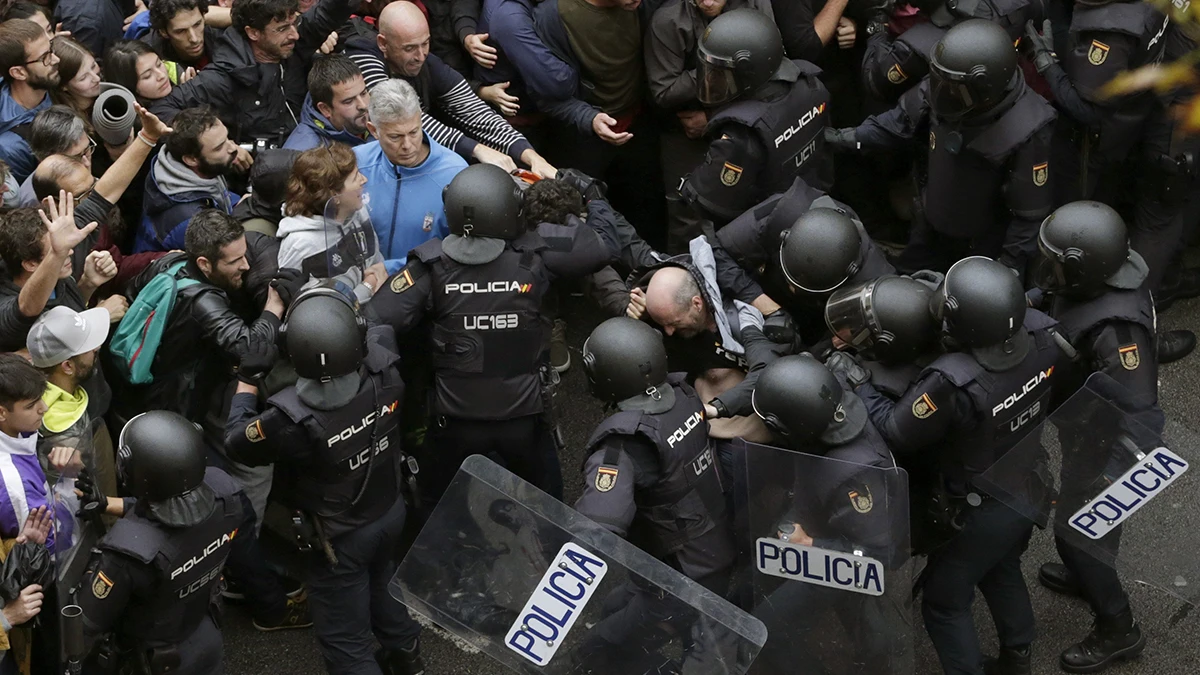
{"x":64,"y":409}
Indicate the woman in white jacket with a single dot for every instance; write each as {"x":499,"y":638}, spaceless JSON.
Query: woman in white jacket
{"x":327,"y":231}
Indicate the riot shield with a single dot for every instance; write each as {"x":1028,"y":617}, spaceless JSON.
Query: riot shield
{"x":831,"y":571}
{"x":350,"y":247}
{"x":1111,"y":474}
{"x":541,"y":589}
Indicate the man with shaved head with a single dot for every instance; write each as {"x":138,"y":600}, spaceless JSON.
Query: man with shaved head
{"x":474,"y":130}
{"x":719,"y":344}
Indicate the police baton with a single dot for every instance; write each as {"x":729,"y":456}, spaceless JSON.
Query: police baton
{"x":72,"y":638}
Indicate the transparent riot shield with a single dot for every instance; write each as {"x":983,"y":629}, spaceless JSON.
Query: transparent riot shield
{"x":1112,"y":475}
{"x":351,"y":247}
{"x":76,"y":532}
{"x":831,"y":571}
{"x":541,"y":589}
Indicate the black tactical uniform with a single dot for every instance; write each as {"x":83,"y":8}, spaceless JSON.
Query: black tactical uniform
{"x":894,"y":64}
{"x":811,"y":411}
{"x":971,"y":406}
{"x":770,"y":129}
{"x":985,"y":185}
{"x":1104,"y":143}
{"x":482,"y":290}
{"x":1105,"y":311}
{"x":335,"y":439}
{"x":651,"y":476}
{"x":153,"y":583}
{"x":751,"y":256}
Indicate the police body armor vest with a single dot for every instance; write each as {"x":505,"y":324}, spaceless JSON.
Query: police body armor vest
{"x":1008,"y":404}
{"x":1077,"y":319}
{"x":1121,"y":125}
{"x":333,"y":476}
{"x":187,"y":563}
{"x":963,"y":195}
{"x":489,"y":337}
{"x":791,"y":130}
{"x":687,"y":503}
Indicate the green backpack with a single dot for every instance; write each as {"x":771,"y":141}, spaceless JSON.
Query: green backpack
{"x":136,"y":339}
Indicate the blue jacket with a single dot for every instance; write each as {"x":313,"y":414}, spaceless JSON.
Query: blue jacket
{"x":165,"y":216}
{"x":315,"y":129}
{"x":406,"y":204}
{"x":533,"y":70}
{"x":13,"y":148}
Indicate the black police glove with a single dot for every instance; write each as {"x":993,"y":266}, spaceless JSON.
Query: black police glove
{"x":256,"y":362}
{"x":287,"y":283}
{"x":845,"y":139}
{"x":1041,"y":45}
{"x":717,"y":405}
{"x":92,"y":500}
{"x":849,"y":367}
{"x":779,"y":328}
{"x":589,"y":187}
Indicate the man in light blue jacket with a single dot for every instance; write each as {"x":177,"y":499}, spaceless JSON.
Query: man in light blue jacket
{"x":406,"y":171}
{"x":30,"y":70}
{"x":335,"y":110}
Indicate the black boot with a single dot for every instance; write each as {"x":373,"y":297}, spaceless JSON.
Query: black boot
{"x":1058,"y":578}
{"x":1012,"y":661}
{"x":1174,"y":345}
{"x":1182,"y":286}
{"x":401,"y":661}
{"x":1112,"y":639}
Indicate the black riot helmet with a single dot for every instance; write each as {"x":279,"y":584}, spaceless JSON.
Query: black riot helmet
{"x":800,"y":400}
{"x":484,"y":201}
{"x":326,"y":339}
{"x":980,"y":304}
{"x":885,"y":319}
{"x":624,"y":358}
{"x":820,"y":251}
{"x":739,"y":52}
{"x":1082,"y":244}
{"x":972,"y":71}
{"x":161,"y":461}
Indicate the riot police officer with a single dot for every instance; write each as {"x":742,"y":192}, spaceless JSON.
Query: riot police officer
{"x":809,"y":410}
{"x":820,"y":251}
{"x":972,"y":405}
{"x":1104,"y":143}
{"x":334,"y":437}
{"x":768,"y":128}
{"x":1095,"y":290}
{"x":651,"y":476}
{"x":894,"y":64}
{"x":887,"y":324}
{"x":152,"y":584}
{"x":482,"y":289}
{"x":985,"y":188}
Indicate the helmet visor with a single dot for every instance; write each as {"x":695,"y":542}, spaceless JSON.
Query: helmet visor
{"x":717,"y":81}
{"x":1048,"y":272}
{"x":850,"y":315}
{"x":950,"y":94}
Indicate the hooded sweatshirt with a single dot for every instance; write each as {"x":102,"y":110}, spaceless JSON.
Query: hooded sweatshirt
{"x":174,"y":193}
{"x":14,"y":150}
{"x":315,"y":129}
{"x":23,"y":485}
{"x":325,"y":249}
{"x":406,"y":203}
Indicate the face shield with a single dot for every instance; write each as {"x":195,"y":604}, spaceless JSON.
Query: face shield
{"x":850,"y":315}
{"x":950,"y":93}
{"x":717,"y":81}
{"x":1049,"y":274}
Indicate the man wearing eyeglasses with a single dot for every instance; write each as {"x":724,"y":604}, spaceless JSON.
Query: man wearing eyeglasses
{"x":259,"y":75}
{"x":30,"y":70}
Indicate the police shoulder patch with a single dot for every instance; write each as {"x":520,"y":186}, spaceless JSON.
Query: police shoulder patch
{"x":895,"y":75}
{"x":1130,"y":358}
{"x":1097,"y":53}
{"x":923,"y":407}
{"x":861,"y":501}
{"x":731,"y":174}
{"x":254,"y":432}
{"x":402,"y":281}
{"x":101,"y":586}
{"x":1041,"y":173}
{"x":606,"y":478}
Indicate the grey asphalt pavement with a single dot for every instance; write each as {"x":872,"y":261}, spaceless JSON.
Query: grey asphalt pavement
{"x":1173,"y":634}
